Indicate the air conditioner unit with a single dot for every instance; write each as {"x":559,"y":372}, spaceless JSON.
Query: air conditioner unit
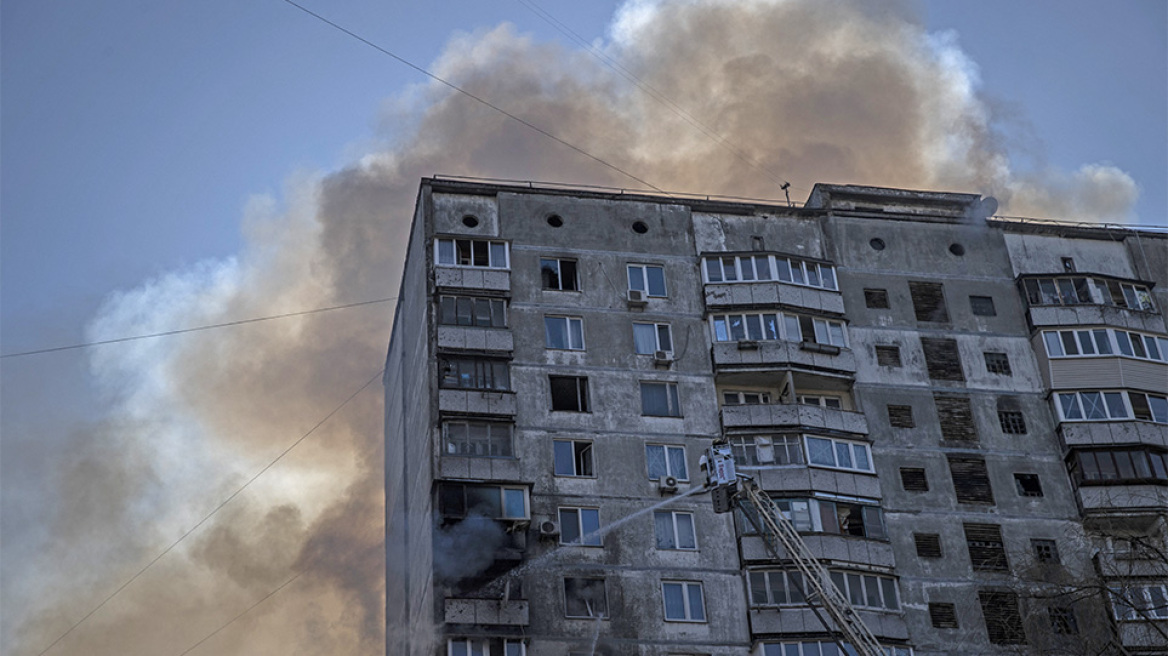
{"x":549,"y":529}
{"x":662,"y":357}
{"x":637,"y":297}
{"x":667,"y":484}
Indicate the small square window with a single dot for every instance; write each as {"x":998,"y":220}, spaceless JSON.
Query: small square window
{"x":943,"y":616}
{"x":900,"y":416}
{"x":983,"y":306}
{"x":649,"y":338}
{"x":573,"y":458}
{"x":913,"y":479}
{"x":1012,"y":422}
{"x":876,"y":298}
{"x":1045,"y":551}
{"x":659,"y":400}
{"x":1063,"y":622}
{"x":683,"y":601}
{"x":646,"y":278}
{"x":558,"y":274}
{"x":928,"y":545}
{"x":564,"y":333}
{"x":569,"y":393}
{"x":674,"y":530}
{"x":585,"y":597}
{"x":579,"y":526}
{"x":997,"y":363}
{"x":666,"y":460}
{"x":1028,"y":485}
{"x":888,"y":356}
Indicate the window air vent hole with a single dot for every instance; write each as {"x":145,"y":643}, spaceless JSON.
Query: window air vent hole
{"x":877,"y":244}
{"x":640,"y":228}
{"x":470,"y":221}
{"x":555,"y":221}
{"x":957,"y":249}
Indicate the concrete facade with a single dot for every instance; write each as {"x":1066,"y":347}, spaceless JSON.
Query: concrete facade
{"x":878,"y":360}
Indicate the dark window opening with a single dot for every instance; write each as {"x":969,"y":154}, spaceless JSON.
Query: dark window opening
{"x":928,"y":545}
{"x":572,"y":458}
{"x":1045,"y":551}
{"x":997,"y":363}
{"x":559,"y":274}
{"x":942,"y":359}
{"x":1028,"y":485}
{"x":470,"y":311}
{"x":888,"y":356}
{"x":986,"y":550}
{"x":584,"y":597}
{"x":928,"y":299}
{"x":943,"y":616}
{"x":876,"y":298}
{"x":955,"y":415}
{"x":569,"y":393}
{"x":983,"y":306}
{"x":1063,"y":622}
{"x":1119,"y":466}
{"x":913,"y":479}
{"x":971,"y":479}
{"x":1003,"y":621}
{"x":900,"y":416}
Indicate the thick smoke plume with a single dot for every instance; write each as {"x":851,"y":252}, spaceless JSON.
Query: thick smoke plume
{"x":844,"y":91}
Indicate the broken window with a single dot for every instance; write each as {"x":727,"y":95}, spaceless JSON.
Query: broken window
{"x":472,"y":253}
{"x":876,"y":298}
{"x":569,"y":393}
{"x":458,"y":500}
{"x":558,"y":274}
{"x":928,"y":545}
{"x":1045,"y":551}
{"x":942,"y":359}
{"x":987,"y":552}
{"x":900,"y":416}
{"x":928,"y":299}
{"x":666,"y":460}
{"x":1003,"y":621}
{"x":887,"y":355}
{"x":585,"y":597}
{"x":955,"y":415}
{"x":573,"y":458}
{"x":971,"y":479}
{"x":912,"y":479}
{"x":674,"y":530}
{"x":982,"y":306}
{"x":1028,"y":485}
{"x":997,"y":363}
{"x":472,"y":311}
{"x":943,"y":616}
{"x":1010,"y":417}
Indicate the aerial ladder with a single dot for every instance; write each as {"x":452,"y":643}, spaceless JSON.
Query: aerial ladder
{"x":730,"y":489}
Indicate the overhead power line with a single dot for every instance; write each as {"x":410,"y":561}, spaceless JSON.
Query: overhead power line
{"x":475,"y":98}
{"x":245,"y":612}
{"x":211,"y":514}
{"x":180,"y":331}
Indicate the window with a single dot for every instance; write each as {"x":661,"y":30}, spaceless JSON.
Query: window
{"x":778,"y":588}
{"x":458,"y":500}
{"x":755,"y":327}
{"x":559,"y":274}
{"x":1110,"y":405}
{"x":823,"y":331}
{"x":1003,"y":621}
{"x":785,"y":587}
{"x":1116,"y":466}
{"x":942,"y":359}
{"x":474,"y":373}
{"x":876,"y":298}
{"x":471,"y":311}
{"x":982,"y":306}
{"x":1028,"y":485}
{"x":666,"y":460}
{"x":997,"y":363}
{"x":943,"y":616}
{"x":838,"y":516}
{"x":648,"y":279}
{"x":838,"y":454}
{"x":1140,"y":602}
{"x":751,"y":268}
{"x":573,"y":458}
{"x":928,"y":299}
{"x":585,"y":597}
{"x":648,"y":338}
{"x":821,"y":400}
{"x":732,"y":397}
{"x":564,"y":333}
{"x":767,"y":450}
{"x":1076,"y":290}
{"x":887,"y":356}
{"x":1105,"y":342}
{"x":485,"y":647}
{"x":1045,"y":551}
{"x":986,"y":550}
{"x":569,"y":393}
{"x":659,"y":399}
{"x":1010,"y":419}
{"x":472,"y":253}
{"x":674,"y":530}
{"x":817,"y":648}
{"x":900,"y":416}
{"x":928,"y":545}
{"x":955,"y":415}
{"x":482,"y":439}
{"x":971,"y":479}
{"x":683,"y":601}
{"x":1062,"y":621}
{"x":912,"y":479}
{"x":579,"y":526}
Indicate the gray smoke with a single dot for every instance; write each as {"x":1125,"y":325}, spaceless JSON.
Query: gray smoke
{"x":467,"y":548}
{"x":845,"y":91}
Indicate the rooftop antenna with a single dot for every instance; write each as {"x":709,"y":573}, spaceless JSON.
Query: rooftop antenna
{"x":785,"y":187}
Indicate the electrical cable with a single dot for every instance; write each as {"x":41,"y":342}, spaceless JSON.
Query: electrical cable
{"x":477,"y":99}
{"x":209,"y":515}
{"x":245,"y":612}
{"x":180,"y":331}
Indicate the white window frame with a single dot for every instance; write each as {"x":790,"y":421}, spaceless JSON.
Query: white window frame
{"x":740,"y":397}
{"x":780,"y":648}
{"x":673,"y":523}
{"x":492,"y":426}
{"x":672,"y":398}
{"x":830,"y":332}
{"x":593,"y":538}
{"x":666,"y":449}
{"x":1154,"y":347}
{"x":780,"y":268}
{"x":484,"y":646}
{"x":568,"y":332}
{"x":1081,"y":407}
{"x":821,"y":400}
{"x":492,"y":253}
{"x":657,"y":331}
{"x":503,"y":490}
{"x":687,"y":608}
{"x":751,"y":321}
{"x":1153,"y":609}
{"x":850,"y":448}
{"x":759,"y":444}
{"x":643,"y":272}
{"x":590,"y":449}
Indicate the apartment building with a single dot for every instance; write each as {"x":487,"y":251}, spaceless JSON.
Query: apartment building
{"x":965,"y":417}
